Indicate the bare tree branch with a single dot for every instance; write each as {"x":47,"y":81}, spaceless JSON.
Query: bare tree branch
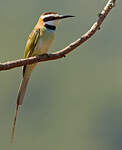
{"x":66,"y":50}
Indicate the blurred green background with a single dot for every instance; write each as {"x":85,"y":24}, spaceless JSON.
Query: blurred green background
{"x":71,"y":103}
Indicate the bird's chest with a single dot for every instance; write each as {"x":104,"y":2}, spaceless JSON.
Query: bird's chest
{"x":44,"y":43}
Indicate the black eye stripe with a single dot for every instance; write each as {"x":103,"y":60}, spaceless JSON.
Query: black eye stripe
{"x":50,"y":18}
{"x":51,"y":27}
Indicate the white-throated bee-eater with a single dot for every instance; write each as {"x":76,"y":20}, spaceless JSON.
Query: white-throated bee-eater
{"x":39,"y":42}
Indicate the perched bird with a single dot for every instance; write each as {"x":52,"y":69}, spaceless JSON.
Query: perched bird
{"x":39,"y":42}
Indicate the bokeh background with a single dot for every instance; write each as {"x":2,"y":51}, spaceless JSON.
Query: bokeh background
{"x":71,"y":103}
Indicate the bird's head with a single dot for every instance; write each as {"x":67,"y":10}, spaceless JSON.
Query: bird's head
{"x":51,"y":19}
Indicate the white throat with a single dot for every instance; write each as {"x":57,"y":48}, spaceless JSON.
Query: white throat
{"x":52,"y":23}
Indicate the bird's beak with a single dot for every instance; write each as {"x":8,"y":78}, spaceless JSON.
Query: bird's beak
{"x":65,"y":16}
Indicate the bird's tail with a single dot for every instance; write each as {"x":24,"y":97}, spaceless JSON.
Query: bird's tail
{"x":22,"y":90}
{"x":20,"y":97}
{"x":14,"y":124}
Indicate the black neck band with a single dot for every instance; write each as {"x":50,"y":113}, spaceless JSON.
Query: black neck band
{"x":50,"y":27}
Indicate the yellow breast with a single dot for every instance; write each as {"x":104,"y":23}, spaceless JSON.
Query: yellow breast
{"x":44,"y":43}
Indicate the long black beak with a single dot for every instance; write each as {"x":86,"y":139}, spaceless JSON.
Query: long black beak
{"x":65,"y":16}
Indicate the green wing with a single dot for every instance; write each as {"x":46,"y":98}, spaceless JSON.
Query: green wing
{"x":31,"y":43}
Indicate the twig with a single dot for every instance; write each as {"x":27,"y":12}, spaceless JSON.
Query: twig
{"x":66,"y":50}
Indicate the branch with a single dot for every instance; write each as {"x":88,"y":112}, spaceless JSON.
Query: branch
{"x":66,"y":50}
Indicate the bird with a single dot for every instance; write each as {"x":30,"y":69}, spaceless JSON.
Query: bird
{"x":38,"y":43}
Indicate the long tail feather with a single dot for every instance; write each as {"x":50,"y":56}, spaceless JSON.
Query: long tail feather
{"x":20,"y":98}
{"x":14,"y":124}
{"x":22,"y":90}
